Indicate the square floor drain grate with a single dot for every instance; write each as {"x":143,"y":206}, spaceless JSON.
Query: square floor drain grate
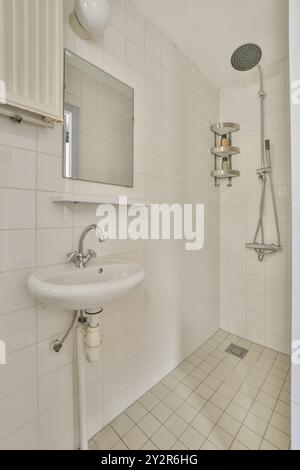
{"x":236,"y":351}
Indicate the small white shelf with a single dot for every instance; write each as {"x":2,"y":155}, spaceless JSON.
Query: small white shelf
{"x":88,"y":203}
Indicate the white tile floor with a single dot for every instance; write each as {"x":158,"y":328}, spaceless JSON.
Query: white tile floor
{"x":212,"y":400}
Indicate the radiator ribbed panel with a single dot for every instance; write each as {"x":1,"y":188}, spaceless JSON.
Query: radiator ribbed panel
{"x":31,"y":54}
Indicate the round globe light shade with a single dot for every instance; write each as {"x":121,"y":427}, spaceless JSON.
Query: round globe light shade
{"x":93,"y":15}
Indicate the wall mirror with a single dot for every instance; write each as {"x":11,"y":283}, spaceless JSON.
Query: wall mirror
{"x":98,"y":130}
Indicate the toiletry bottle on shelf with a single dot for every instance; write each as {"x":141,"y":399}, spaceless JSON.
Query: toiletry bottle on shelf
{"x":225,"y":142}
{"x":225,"y":164}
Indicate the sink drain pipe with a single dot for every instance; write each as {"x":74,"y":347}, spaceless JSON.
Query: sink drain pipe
{"x":88,"y":347}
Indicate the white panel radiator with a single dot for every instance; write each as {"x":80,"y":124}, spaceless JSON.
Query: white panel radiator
{"x":31,"y":55}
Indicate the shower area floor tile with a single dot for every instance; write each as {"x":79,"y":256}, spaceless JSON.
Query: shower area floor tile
{"x":212,"y":400}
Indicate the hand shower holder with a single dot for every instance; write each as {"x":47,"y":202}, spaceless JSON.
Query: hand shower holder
{"x":223,"y":151}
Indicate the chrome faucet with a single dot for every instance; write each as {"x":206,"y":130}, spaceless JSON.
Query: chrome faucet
{"x":79,"y":258}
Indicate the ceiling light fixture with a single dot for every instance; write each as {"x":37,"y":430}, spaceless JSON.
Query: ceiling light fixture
{"x":90,"y":18}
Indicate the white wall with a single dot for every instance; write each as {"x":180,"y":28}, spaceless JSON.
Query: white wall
{"x":295,"y":125}
{"x":149,"y":332}
{"x":256,"y":297}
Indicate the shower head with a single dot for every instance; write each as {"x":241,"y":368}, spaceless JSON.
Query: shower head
{"x":246,"y":57}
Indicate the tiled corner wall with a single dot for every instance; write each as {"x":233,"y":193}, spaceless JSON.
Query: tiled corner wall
{"x":256,"y":297}
{"x":173,"y":311}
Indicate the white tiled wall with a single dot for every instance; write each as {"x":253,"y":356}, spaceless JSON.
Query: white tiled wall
{"x":256,"y":297}
{"x":176,"y":308}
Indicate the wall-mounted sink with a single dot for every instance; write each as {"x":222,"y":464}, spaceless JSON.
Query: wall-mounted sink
{"x":69,"y":288}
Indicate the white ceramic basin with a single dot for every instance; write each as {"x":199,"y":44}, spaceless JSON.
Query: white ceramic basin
{"x":69,"y":288}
